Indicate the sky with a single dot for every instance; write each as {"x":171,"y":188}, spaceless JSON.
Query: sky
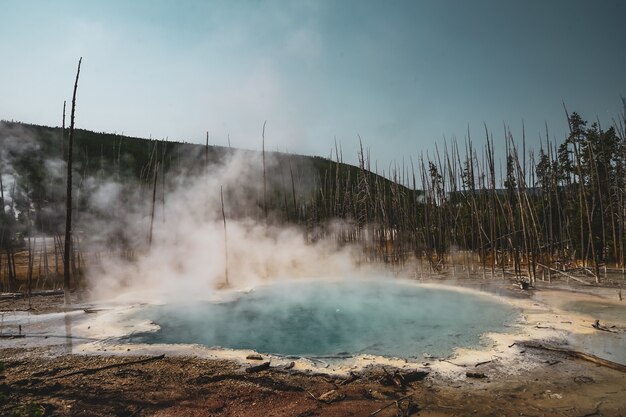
{"x":402,"y":75}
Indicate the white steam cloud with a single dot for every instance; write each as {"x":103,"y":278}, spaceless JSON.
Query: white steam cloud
{"x":187,"y":256}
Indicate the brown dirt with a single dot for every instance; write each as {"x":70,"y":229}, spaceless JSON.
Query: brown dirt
{"x":40,"y":381}
{"x":178,"y":386}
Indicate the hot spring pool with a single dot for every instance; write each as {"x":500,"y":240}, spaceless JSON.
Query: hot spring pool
{"x":381,"y":317}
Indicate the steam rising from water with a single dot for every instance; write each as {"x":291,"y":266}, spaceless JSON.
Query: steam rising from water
{"x":187,"y":255}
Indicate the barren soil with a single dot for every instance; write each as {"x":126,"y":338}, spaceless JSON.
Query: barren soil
{"x":45,"y":381}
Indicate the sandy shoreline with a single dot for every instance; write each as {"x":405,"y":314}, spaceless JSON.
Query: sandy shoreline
{"x":541,"y":317}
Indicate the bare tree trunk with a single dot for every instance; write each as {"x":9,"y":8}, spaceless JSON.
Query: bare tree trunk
{"x":68,"y":212}
{"x":29,"y":275}
{"x":154,"y":188}
{"x":225,"y":239}
{"x":293,"y":193}
{"x":264,"y":173}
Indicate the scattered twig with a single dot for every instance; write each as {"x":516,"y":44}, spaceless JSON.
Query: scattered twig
{"x":353,"y":377}
{"x":390,"y":404}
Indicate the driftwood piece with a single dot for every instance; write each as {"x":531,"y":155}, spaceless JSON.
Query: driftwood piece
{"x":115,"y":365}
{"x":576,"y":354}
{"x":477,"y":375}
{"x":257,"y":368}
{"x":596,"y":325}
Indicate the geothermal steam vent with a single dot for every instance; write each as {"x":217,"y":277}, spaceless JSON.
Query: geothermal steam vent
{"x":313,"y":318}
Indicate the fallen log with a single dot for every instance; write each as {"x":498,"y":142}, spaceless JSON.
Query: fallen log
{"x":11,"y":336}
{"x":257,"y":368}
{"x":576,"y":354}
{"x":15,"y":295}
{"x":596,"y":325}
{"x":582,"y":281}
{"x":115,"y":365}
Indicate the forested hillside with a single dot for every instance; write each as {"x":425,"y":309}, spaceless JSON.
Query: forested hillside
{"x":552,"y":211}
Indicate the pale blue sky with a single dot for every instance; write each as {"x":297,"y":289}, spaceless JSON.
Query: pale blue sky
{"x":402,"y":74}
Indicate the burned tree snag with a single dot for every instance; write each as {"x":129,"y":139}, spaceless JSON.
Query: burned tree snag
{"x":68,"y":212}
{"x":225,"y":239}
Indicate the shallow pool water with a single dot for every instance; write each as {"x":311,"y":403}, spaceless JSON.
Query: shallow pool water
{"x":608,"y":345}
{"x":614,"y":313}
{"x":381,"y":317}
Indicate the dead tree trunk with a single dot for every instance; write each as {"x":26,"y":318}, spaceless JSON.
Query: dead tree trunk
{"x":225,"y":239}
{"x":264,"y":173}
{"x":68,"y":212}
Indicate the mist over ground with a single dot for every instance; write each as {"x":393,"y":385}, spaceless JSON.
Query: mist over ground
{"x":164,"y":234}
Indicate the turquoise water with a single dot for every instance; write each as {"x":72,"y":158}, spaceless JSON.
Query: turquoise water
{"x":382,"y":317}
{"x":611,"y":346}
{"x":605,"y":311}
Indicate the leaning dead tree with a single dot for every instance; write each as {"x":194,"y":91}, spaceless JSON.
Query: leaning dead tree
{"x":68,"y":212}
{"x":225,"y":239}
{"x":264,"y":173}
